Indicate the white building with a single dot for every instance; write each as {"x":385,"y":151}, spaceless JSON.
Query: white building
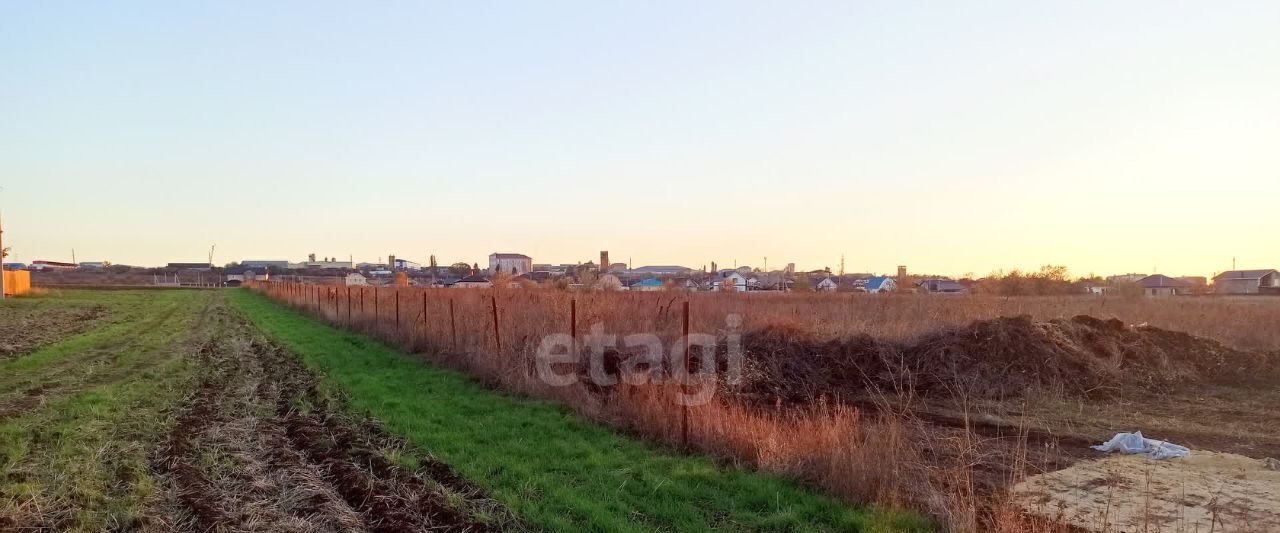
{"x":510,"y":263}
{"x":731,"y":280}
{"x":356,"y":278}
{"x":826,"y":284}
{"x":405,"y":264}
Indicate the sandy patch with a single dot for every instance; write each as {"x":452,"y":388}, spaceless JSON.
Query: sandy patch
{"x":1207,"y":491}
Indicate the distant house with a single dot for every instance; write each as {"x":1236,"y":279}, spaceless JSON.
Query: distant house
{"x":687,"y":284}
{"x":537,"y":276}
{"x":650,"y":284}
{"x":827,"y":284}
{"x":1266,"y":281}
{"x":941,"y":286}
{"x":1159,"y":285}
{"x":773,"y":281}
{"x":356,"y":278}
{"x":474,"y":281}
{"x":880,"y":284}
{"x":509,"y":263}
{"x":732,"y":280}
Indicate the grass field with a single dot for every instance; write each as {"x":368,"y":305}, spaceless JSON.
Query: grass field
{"x":551,"y":467}
{"x":937,"y":404}
{"x":80,"y":416}
{"x":222,"y":411}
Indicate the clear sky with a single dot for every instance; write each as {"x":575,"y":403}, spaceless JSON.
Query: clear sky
{"x":952,"y":137}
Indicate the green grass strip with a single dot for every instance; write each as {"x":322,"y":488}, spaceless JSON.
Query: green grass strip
{"x":554,"y":469}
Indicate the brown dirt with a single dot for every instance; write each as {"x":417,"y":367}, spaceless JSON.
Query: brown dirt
{"x":260,"y":448}
{"x":994,"y":401}
{"x":25,"y":329}
{"x":1204,"y":492}
{"x":999,"y":358}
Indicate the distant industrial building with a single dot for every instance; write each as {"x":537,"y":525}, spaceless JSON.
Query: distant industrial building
{"x":189,"y":266}
{"x":54,"y":265}
{"x":508,"y":263}
{"x":405,"y":264}
{"x":327,"y":263}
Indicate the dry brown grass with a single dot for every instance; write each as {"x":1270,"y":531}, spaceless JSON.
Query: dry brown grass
{"x":887,"y":458}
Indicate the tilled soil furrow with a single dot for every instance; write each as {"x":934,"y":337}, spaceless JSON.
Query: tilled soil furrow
{"x":243,"y":458}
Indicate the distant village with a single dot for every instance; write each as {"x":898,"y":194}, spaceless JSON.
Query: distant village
{"x":516,"y":270}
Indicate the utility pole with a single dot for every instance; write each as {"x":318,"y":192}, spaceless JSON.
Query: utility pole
{"x":1,"y":259}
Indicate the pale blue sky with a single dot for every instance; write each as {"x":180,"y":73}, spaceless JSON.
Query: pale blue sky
{"x":952,"y":137}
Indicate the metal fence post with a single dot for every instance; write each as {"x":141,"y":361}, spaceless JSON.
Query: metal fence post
{"x":453,"y":325}
{"x":684,"y":405}
{"x":497,"y":337}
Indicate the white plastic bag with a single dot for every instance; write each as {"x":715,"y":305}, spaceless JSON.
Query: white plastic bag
{"x":1136,"y":443}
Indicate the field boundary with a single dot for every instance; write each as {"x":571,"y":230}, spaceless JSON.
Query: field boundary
{"x":552,"y":467}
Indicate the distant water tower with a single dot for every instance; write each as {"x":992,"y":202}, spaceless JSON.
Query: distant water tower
{"x":903,"y":281}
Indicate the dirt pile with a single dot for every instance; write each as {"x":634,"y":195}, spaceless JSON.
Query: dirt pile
{"x":1003,"y":357}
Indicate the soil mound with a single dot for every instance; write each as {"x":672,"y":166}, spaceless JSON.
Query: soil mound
{"x":1002,"y":357}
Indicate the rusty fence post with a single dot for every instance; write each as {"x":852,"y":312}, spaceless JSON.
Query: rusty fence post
{"x":453,"y":326}
{"x":348,"y":305}
{"x":376,"y":315}
{"x":684,"y":404}
{"x":397,"y":295}
{"x":497,"y":337}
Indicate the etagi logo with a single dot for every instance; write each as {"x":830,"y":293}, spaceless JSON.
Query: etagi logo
{"x":696,"y":361}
